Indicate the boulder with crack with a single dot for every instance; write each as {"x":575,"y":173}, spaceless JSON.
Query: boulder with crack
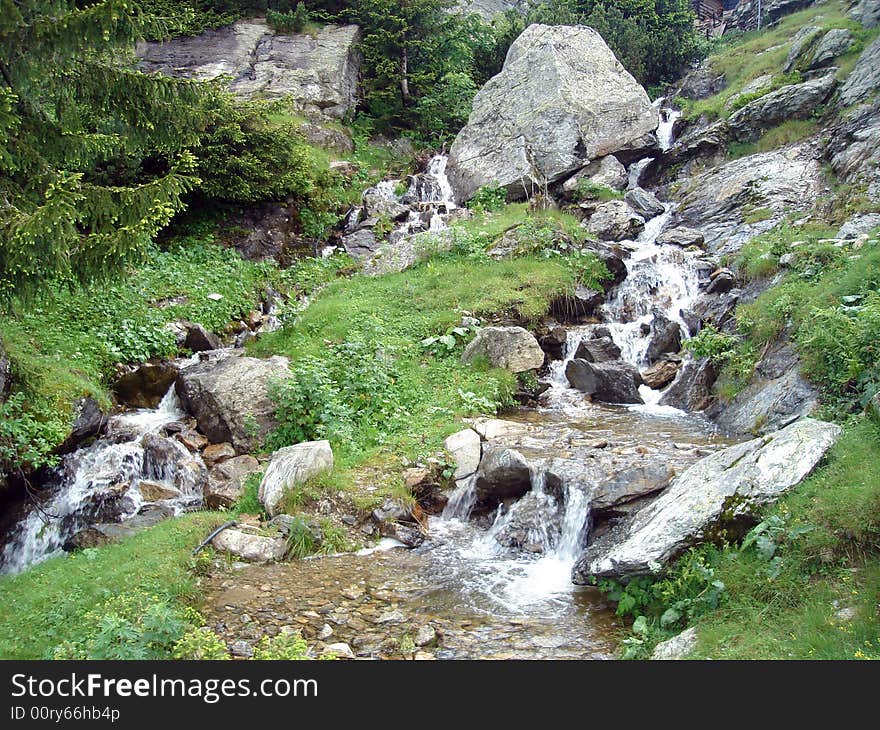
{"x":728,"y":484}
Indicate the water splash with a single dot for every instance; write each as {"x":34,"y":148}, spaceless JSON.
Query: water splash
{"x":666,"y":130}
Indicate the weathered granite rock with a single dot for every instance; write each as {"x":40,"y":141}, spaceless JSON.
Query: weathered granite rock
{"x":318,"y":72}
{"x":665,"y":338}
{"x":465,"y":448}
{"x":834,"y":43}
{"x":511,"y":348}
{"x":229,"y":398}
{"x":801,"y":43}
{"x":795,"y":101}
{"x":775,"y":396}
{"x":250,"y":547}
{"x":730,"y":483}
{"x":644,"y":203}
{"x":678,"y":647}
{"x":616,"y":221}
{"x":864,"y":80}
{"x":503,"y":474}
{"x":488,"y":9}
{"x":866,"y":12}
{"x":198,"y":338}
{"x":745,"y":15}
{"x":561,"y":101}
{"x":681,"y":236}
{"x":702,"y":82}
{"x":661,"y":374}
{"x":89,"y":422}
{"x":717,"y":201}
{"x":854,"y":149}
{"x":598,"y":349}
{"x":293,"y":466}
{"x":692,"y":389}
{"x":607,"y":172}
{"x":168,"y":462}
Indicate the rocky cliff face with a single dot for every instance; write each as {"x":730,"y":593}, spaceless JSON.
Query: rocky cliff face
{"x":561,"y":101}
{"x":319,"y":72}
{"x":488,"y":9}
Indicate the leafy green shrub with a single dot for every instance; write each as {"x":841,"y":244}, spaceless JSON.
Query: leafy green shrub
{"x":245,"y":157}
{"x":129,"y":626}
{"x":488,"y":199}
{"x":664,"y":605}
{"x":294,"y":21}
{"x":25,"y":442}
{"x":448,"y":343}
{"x":249,"y":502}
{"x":200,"y":644}
{"x":283,"y":647}
{"x":711,"y":343}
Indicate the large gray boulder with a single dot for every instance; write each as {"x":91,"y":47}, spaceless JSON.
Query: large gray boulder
{"x":606,"y":172}
{"x":644,"y":203}
{"x":678,"y":647}
{"x":318,"y":72}
{"x":561,"y":101}
{"x":511,"y":348}
{"x":250,"y":547}
{"x":795,"y":101}
{"x":291,"y":467}
{"x":229,"y":398}
{"x":864,"y":80}
{"x":730,"y":483}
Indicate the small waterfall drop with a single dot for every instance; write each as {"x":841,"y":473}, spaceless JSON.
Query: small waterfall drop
{"x":100,"y":483}
{"x":668,"y":117}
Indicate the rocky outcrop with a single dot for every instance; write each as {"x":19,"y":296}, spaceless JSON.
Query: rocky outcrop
{"x":229,"y":398}
{"x":866,"y":12}
{"x":745,"y":16}
{"x":692,"y":389}
{"x":864,"y":80}
{"x":702,"y":82}
{"x":318,"y":72}
{"x":854,"y":149}
{"x":718,"y":201}
{"x":775,"y":396}
{"x":728,"y":484}
{"x":836,"y":42}
{"x":511,"y":348}
{"x":609,"y":382}
{"x":801,"y":43}
{"x":198,"y":338}
{"x":795,"y":101}
{"x":291,"y":467}
{"x":615,"y":221}
{"x":226,"y":481}
{"x":561,"y":101}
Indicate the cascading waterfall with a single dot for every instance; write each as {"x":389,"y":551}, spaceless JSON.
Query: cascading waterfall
{"x":667,"y":274}
{"x":93,"y":481}
{"x":662,"y":279}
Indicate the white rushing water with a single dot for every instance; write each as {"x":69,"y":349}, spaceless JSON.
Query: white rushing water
{"x":662,"y":279}
{"x":668,"y":117}
{"x":106,"y":472}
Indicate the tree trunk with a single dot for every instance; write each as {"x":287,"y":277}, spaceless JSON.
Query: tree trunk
{"x":404,"y":76}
